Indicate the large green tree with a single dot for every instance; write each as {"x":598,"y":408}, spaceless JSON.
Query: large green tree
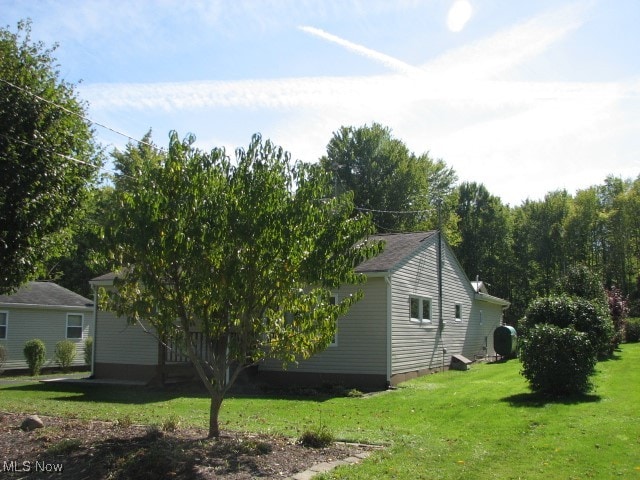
{"x":47,"y":157}
{"x":403,"y":191}
{"x":246,"y":253}
{"x":485,"y":247}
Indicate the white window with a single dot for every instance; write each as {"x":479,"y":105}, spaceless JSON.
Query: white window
{"x":4,"y":325}
{"x":420,"y":310}
{"x":74,"y":325}
{"x":458,"y":312}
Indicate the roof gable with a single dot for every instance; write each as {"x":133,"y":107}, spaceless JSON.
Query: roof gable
{"x":45,"y":294}
{"x":397,"y":247}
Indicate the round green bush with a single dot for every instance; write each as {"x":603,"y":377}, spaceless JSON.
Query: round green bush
{"x":36,"y":354}
{"x":65,"y":354}
{"x":556,"y":360}
{"x":583,"y":315}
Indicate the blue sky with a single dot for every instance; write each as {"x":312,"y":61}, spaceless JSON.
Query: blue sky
{"x":525,"y":97}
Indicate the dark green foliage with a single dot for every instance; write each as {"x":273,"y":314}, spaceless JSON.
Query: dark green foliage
{"x":632,"y":330}
{"x":36,"y":354}
{"x":88,"y":350}
{"x":47,"y":157}
{"x":583,"y":315}
{"x":65,"y":354}
{"x":556,"y":360}
{"x":485,"y":246}
{"x":580,"y":281}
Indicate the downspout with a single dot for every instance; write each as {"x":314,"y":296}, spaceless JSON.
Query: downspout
{"x":95,"y":330}
{"x":387,"y":279}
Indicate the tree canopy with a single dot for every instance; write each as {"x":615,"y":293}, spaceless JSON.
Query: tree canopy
{"x":246,"y":252}
{"x":47,"y":157}
{"x":398,"y":187}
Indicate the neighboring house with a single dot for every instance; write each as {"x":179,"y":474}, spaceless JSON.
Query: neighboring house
{"x":46,"y":311}
{"x":391,"y":335}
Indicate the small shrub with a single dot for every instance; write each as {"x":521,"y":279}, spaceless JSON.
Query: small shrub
{"x":319,"y":437}
{"x":632,"y":330}
{"x":64,"y":446}
{"x":3,"y":357}
{"x":65,"y":354}
{"x":36,"y":354}
{"x":556,"y":360}
{"x":88,"y":350}
{"x":354,"y":393}
{"x":124,"y":421}
{"x":171,"y":424}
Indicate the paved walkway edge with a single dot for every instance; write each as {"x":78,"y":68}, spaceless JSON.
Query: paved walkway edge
{"x":328,"y":466}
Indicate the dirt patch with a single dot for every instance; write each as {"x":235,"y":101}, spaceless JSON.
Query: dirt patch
{"x":76,"y":449}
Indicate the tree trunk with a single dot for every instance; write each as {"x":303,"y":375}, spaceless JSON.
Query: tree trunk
{"x":214,"y":411}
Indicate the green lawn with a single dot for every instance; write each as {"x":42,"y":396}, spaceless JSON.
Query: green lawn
{"x":482,"y":423}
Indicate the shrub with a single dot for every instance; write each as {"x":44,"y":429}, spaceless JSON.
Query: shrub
{"x":632,"y":330}
{"x":3,"y":356}
{"x":65,"y":354}
{"x":36,"y":354}
{"x":319,"y":437}
{"x":557,"y":360}
{"x":583,"y":315}
{"x":88,"y":350}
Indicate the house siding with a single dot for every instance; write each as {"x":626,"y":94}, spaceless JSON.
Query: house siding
{"x":119,"y":343}
{"x":361,"y":338}
{"x":418,"y":348}
{"x":49,"y":324}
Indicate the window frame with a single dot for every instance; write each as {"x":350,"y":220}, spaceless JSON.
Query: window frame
{"x":81,"y":326}
{"x":4,"y":324}
{"x":457,"y":312}
{"x":421,"y":319}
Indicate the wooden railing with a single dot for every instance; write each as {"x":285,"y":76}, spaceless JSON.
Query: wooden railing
{"x":174,"y":353}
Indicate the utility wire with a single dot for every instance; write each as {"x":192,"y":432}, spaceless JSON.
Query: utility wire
{"x":83,"y":117}
{"x":362,"y":209}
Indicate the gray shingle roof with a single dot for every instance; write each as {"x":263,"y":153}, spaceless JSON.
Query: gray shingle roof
{"x":45,"y":293}
{"x":397,"y":247}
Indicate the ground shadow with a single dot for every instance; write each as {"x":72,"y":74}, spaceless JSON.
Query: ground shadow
{"x":537,"y":400}
{"x":154,"y":455}
{"x":141,"y":395}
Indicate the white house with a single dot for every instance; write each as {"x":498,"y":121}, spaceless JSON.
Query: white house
{"x":46,"y":311}
{"x":411,"y":321}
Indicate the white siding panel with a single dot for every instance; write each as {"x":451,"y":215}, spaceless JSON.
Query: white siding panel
{"x":119,"y":342}
{"x":361,"y":346}
{"x":418,"y":346}
{"x":47,"y":324}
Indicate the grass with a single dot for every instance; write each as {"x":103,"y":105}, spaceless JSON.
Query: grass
{"x":483,"y":423}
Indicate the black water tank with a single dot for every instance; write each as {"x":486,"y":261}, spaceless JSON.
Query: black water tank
{"x":505,"y":340}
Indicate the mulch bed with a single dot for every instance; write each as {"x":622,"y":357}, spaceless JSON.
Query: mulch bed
{"x":106,"y":450}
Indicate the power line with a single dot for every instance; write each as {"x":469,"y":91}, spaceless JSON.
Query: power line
{"x":83,"y":117}
{"x":66,"y":157}
{"x":393,"y":211}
